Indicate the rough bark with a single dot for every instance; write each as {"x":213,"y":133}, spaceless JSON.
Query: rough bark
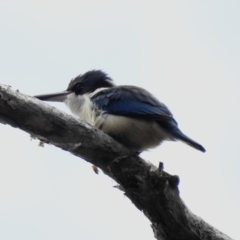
{"x":152,"y":191}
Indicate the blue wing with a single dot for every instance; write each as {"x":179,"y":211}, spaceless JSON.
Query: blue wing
{"x":131,"y":101}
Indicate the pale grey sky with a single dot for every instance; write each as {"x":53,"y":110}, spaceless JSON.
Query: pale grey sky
{"x":187,"y":53}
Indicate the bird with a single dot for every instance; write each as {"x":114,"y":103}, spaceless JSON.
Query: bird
{"x":129,"y":114}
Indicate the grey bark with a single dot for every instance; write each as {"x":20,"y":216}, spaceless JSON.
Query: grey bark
{"x":151,"y":190}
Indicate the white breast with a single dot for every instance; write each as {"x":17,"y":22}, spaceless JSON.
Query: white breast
{"x":82,"y":107}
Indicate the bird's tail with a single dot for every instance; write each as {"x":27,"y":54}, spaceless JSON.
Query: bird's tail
{"x":181,"y":136}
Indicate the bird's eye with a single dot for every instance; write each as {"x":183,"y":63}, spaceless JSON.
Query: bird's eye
{"x":78,"y":86}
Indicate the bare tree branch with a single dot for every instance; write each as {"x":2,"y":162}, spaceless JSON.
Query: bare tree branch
{"x":153,"y":191}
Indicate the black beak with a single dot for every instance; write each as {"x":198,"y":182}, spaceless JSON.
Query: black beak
{"x":54,"y":97}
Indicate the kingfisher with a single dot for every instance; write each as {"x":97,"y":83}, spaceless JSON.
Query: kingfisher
{"x":129,"y":114}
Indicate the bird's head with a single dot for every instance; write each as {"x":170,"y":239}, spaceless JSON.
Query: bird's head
{"x":89,"y":82}
{"x":82,"y":84}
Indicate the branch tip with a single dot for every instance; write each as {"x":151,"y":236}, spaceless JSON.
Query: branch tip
{"x":174,"y":181}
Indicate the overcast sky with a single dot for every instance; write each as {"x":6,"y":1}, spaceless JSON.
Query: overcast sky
{"x":187,"y":53}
